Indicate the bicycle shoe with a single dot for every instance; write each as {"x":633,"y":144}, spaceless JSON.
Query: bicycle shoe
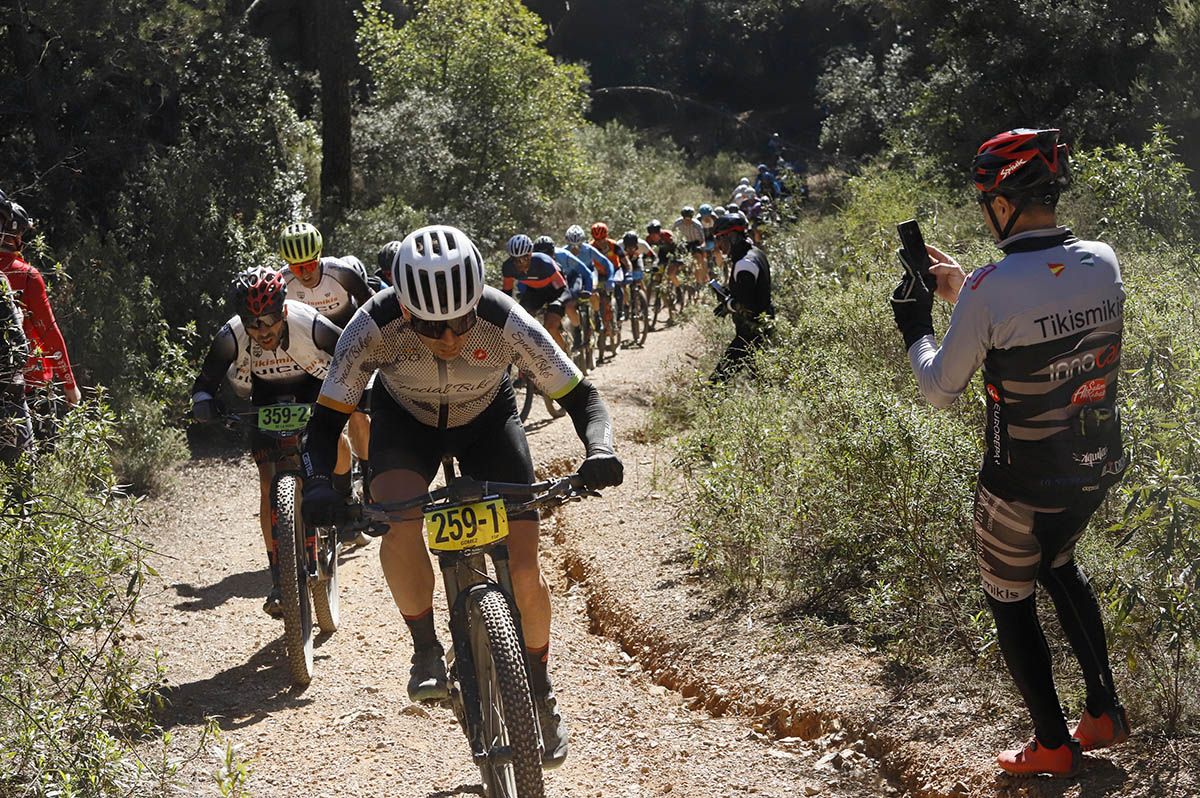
{"x":1111,"y":728}
{"x":273,"y":606}
{"x":554,"y":730}
{"x":427,"y":676}
{"x":1036,"y":759}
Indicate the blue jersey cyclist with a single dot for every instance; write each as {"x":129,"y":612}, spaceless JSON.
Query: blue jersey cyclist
{"x":443,"y":343}
{"x":539,"y":283}
{"x":580,"y":280}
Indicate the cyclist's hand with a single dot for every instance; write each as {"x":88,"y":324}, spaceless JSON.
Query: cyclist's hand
{"x":206,"y":410}
{"x":73,"y":395}
{"x":318,"y":500}
{"x":602,"y":470}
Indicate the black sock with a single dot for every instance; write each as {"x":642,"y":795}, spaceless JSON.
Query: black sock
{"x":341,"y":483}
{"x":539,"y":676}
{"x":421,"y":626}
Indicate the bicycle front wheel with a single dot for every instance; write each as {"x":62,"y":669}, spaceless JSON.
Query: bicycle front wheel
{"x":639,"y":316}
{"x":325,"y":586}
{"x":523,"y":388}
{"x":287,"y":530}
{"x":512,"y":767}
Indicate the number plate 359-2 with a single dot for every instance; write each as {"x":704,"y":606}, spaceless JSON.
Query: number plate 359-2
{"x":466,"y":526}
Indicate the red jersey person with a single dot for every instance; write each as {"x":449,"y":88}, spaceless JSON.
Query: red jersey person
{"x":48,"y":358}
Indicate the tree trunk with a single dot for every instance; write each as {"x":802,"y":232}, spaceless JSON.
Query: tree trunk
{"x":337,"y":65}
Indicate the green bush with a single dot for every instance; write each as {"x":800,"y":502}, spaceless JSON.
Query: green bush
{"x":828,"y":482}
{"x":74,"y":696}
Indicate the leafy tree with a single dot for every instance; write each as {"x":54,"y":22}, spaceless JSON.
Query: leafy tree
{"x":504,"y":107}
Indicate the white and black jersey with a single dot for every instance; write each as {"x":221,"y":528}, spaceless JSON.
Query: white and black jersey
{"x":436,"y":392}
{"x":341,"y":290}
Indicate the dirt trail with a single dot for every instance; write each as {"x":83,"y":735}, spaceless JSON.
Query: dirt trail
{"x":353,"y":731}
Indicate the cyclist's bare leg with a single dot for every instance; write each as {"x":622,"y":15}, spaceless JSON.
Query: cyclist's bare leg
{"x":360,"y":434}
{"x":266,"y":472}
{"x":700,"y":272}
{"x":402,"y":552}
{"x":343,"y":456}
{"x":553,"y":325}
{"x":673,"y":272}
{"x":532,"y":592}
{"x":573,"y":314}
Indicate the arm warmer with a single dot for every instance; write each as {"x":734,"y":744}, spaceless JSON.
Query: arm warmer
{"x":321,"y":440}
{"x":590,"y":416}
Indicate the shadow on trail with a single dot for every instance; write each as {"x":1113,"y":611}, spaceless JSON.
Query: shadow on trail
{"x":247,"y":584}
{"x":240,"y":696}
{"x":462,"y":789}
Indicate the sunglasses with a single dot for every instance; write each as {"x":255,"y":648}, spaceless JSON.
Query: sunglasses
{"x":262,"y":322}
{"x":434,"y":329}
{"x":306,"y":266}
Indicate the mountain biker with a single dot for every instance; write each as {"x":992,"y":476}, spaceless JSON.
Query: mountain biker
{"x":1046,"y":324}
{"x":595,"y":261}
{"x":282,"y":349}
{"x":749,"y":294}
{"x":16,"y":432}
{"x":578,"y":276}
{"x":766,"y":184}
{"x":668,"y":249}
{"x":387,"y":254}
{"x":443,"y":356}
{"x":708,"y":218}
{"x":690,"y":231}
{"x":742,"y":190}
{"x":536,"y":281}
{"x":335,"y":287}
{"x":47,"y":352}
{"x":613,"y":271}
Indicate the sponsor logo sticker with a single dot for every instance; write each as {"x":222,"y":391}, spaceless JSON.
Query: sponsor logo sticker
{"x":1092,"y":459}
{"x":1012,"y":167}
{"x":993,"y":392}
{"x":979,"y":274}
{"x":1091,"y":391}
{"x":480,"y":354}
{"x":1056,"y":268}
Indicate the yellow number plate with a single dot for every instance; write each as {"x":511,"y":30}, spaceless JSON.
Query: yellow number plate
{"x":466,"y":526}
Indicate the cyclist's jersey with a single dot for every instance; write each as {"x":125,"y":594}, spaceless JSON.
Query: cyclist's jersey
{"x":689,"y":230}
{"x":543,"y":274}
{"x":594,"y":258}
{"x":1046,"y":324}
{"x":612,"y":252}
{"x":767,"y":185}
{"x":437,"y":392}
{"x":47,"y":351}
{"x":741,"y":194}
{"x":750,"y":284}
{"x":308,"y":346}
{"x":577,"y":274}
{"x":643,"y":250}
{"x":666,"y":246}
{"x":343,"y":288}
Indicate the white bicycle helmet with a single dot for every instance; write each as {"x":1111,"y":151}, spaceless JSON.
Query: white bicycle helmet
{"x":438,"y":273}
{"x":575,"y":234}
{"x":520,"y":245}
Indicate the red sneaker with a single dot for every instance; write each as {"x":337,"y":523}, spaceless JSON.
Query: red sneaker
{"x":1036,"y":759}
{"x":1110,"y":728}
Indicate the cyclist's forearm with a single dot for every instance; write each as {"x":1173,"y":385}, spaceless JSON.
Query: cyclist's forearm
{"x":321,"y":440}
{"x":590,"y":416}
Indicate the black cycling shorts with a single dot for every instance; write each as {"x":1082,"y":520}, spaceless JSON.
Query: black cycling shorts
{"x":492,"y":446}
{"x":554,"y":300}
{"x":303,"y":392}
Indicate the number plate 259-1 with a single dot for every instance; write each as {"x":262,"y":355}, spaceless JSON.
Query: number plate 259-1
{"x":466,"y":526}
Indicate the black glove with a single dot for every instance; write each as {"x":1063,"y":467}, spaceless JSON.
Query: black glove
{"x":723,"y":308}
{"x":912,"y":304}
{"x":207,"y":410}
{"x":318,"y":500}
{"x":602,"y":470}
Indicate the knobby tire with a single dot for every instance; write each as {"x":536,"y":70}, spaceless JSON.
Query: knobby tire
{"x":325,"y":592}
{"x":288,"y":532}
{"x":506,"y":701}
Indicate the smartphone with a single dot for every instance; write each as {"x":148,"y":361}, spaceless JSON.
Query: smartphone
{"x":913,"y":244}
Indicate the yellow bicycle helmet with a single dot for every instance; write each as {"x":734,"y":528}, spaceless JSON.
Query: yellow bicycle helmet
{"x":300,"y":242}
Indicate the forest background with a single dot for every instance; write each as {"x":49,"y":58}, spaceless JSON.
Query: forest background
{"x":161,"y":145}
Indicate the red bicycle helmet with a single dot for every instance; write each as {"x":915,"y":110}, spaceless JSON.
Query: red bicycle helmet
{"x":1021,"y":162}
{"x":599,"y":231}
{"x":258,"y":292}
